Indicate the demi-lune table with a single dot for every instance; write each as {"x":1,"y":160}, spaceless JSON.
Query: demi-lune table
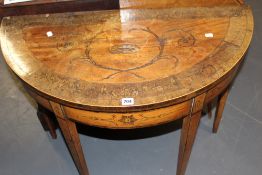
{"x":129,"y":68}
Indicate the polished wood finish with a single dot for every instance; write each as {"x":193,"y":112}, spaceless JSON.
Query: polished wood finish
{"x":104,"y":58}
{"x":176,"y":3}
{"x":171,"y":59}
{"x":219,"y":111}
{"x":46,"y":120}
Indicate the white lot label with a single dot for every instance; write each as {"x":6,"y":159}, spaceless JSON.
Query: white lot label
{"x":127,"y":101}
{"x":209,"y":35}
{"x":14,"y":1}
{"x":49,"y":34}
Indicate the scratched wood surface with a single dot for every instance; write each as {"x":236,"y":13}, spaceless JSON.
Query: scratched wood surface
{"x":157,"y":56}
{"x":176,"y":3}
{"x":142,"y":3}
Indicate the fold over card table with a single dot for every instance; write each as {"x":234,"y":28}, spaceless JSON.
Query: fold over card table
{"x":129,"y":68}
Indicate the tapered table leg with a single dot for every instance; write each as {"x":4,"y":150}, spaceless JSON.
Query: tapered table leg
{"x":188,"y":134}
{"x":220,"y":108}
{"x":46,"y":121}
{"x":71,"y":136}
{"x":209,"y":110}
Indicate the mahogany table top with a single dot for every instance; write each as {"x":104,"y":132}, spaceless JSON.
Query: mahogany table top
{"x":156,"y":56}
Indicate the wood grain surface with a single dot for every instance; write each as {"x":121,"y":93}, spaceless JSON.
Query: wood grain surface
{"x":156,"y":56}
{"x":176,"y":3}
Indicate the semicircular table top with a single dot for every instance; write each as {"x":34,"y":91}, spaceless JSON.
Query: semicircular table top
{"x":156,"y":56}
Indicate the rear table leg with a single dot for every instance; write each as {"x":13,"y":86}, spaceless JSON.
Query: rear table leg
{"x":47,"y":120}
{"x":220,"y":108}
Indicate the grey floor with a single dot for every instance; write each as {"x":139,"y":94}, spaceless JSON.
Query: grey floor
{"x":25,"y":149}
